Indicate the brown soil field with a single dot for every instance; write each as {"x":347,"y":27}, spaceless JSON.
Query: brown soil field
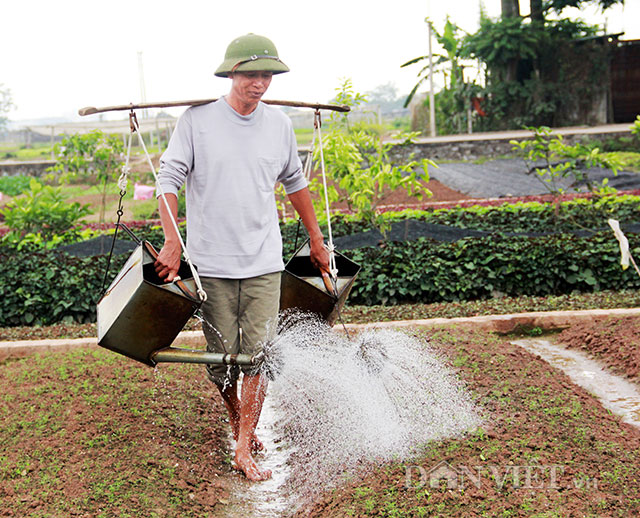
{"x":615,"y":343}
{"x":90,"y":433}
{"x":549,"y":449}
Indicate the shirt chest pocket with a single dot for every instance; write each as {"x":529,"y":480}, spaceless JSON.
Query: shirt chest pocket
{"x":268,"y":171}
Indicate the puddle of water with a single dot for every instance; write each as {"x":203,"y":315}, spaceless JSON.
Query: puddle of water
{"x":263,"y":499}
{"x":615,"y":393}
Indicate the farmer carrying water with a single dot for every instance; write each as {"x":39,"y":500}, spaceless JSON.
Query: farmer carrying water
{"x":231,"y":153}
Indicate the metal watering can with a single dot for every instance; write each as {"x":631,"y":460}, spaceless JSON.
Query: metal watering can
{"x":303,"y":287}
{"x":140,"y":315}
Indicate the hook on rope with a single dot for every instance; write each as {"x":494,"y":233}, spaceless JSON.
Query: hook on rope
{"x":133,"y":120}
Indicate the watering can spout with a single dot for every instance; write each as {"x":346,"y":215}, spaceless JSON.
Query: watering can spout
{"x":178,"y":355}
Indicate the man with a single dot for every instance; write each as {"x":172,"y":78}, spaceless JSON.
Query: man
{"x":231,"y":153}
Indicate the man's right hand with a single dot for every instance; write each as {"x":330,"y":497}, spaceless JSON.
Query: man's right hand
{"x":168,"y":261}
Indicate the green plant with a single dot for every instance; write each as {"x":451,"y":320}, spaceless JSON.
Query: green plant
{"x":449,"y":65}
{"x":453,"y":101}
{"x":635,"y":131}
{"x":472,"y":269}
{"x":358,"y":160}
{"x":42,"y":286}
{"x":560,"y":160}
{"x":42,"y":211}
{"x":538,"y":72}
{"x":14,"y":185}
{"x":92,"y":154}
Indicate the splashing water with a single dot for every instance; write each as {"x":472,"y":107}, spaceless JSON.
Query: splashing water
{"x":344,"y":405}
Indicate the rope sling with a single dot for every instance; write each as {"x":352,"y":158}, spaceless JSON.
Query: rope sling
{"x":123,"y":183}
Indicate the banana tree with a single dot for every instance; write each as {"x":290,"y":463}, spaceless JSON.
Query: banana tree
{"x":449,"y":64}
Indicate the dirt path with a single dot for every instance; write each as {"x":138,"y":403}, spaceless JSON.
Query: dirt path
{"x":614,"y":393}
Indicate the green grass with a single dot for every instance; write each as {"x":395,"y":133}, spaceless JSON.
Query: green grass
{"x":37,"y":151}
{"x":304,"y":136}
{"x":42,"y":151}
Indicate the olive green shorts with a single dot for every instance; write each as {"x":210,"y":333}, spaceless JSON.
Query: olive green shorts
{"x":244,"y":314}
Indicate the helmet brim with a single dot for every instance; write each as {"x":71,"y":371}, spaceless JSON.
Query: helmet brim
{"x":258,"y":65}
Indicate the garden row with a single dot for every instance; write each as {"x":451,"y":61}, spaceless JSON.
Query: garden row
{"x":41,"y":287}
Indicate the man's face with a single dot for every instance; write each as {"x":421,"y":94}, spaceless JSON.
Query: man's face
{"x":250,"y":86}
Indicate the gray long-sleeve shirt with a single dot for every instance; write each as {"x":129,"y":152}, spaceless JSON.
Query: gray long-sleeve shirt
{"x":231,"y":164}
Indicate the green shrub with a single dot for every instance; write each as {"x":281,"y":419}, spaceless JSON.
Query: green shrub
{"x":534,"y":216}
{"x":14,"y":185}
{"x":45,"y":286}
{"x":579,"y":213}
{"x":43,"y":210}
{"x":42,"y":287}
{"x":425,"y":271}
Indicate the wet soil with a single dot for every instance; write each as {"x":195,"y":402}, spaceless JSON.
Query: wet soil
{"x":615,"y":393}
{"x":615,"y":342}
{"x":548,"y":448}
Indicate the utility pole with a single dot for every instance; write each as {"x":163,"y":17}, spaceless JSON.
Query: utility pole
{"x":143,"y":90}
{"x":432,"y":102}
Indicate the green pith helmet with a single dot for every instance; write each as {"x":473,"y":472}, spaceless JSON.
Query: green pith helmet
{"x":250,"y":53}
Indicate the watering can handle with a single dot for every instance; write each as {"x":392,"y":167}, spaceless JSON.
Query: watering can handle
{"x":329,"y":284}
{"x":178,"y":282}
{"x":130,"y":232}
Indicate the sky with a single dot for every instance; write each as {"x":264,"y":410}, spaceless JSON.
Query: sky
{"x":57,"y":57}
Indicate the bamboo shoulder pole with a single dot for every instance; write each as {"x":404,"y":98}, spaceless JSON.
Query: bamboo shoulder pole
{"x":90,"y":110}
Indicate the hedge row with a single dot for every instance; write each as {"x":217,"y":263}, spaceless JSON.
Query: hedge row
{"x":44,"y":287}
{"x":538,"y":217}
{"x":470,"y":269}
{"x":579,"y":213}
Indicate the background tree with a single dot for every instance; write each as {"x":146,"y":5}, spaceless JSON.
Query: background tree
{"x":6,"y":105}
{"x":359,"y":162}
{"x":539,"y":69}
{"x":386,"y":96}
{"x":452,"y":101}
{"x":510,"y":8}
{"x":93,"y":156}
{"x":539,"y":9}
{"x":449,"y":65}
{"x":559,"y":5}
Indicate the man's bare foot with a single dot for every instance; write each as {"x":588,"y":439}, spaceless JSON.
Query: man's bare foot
{"x":256,"y":444}
{"x":246,"y":464}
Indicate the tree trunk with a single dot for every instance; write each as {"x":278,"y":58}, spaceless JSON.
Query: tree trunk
{"x":510,"y":8}
{"x":536,"y":10}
